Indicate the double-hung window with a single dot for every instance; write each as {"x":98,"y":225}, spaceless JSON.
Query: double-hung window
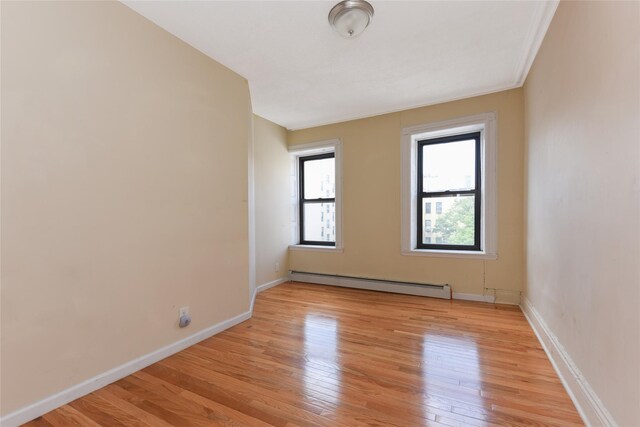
{"x":316,"y":196}
{"x":448,"y":176}
{"x":449,"y":188}
{"x":317,"y":199}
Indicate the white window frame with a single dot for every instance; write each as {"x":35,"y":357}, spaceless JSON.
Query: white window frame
{"x":310,"y":149}
{"x":486,"y":124}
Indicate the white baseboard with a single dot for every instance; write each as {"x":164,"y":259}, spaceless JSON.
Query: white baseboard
{"x":435,"y":291}
{"x":474,"y":297}
{"x":52,"y":402}
{"x":266,"y":286}
{"x":271,"y":284}
{"x":588,"y":404}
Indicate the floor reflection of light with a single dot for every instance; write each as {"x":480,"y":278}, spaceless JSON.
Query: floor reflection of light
{"x":322,"y":378}
{"x":451,"y":376}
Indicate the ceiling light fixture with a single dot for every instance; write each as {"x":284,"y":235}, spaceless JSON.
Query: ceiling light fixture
{"x":350,"y":17}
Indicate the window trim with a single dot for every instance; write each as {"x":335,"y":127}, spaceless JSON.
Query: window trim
{"x":476,"y":192}
{"x":486,"y":124}
{"x":305,"y":150}
{"x":302,"y":201}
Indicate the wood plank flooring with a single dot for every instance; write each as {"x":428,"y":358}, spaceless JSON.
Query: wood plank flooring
{"x":316,"y":355}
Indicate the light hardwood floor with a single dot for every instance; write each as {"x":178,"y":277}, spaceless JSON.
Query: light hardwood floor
{"x":316,"y":355}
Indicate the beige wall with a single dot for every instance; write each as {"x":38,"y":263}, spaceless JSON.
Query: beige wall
{"x":371,"y":185}
{"x":582,"y":102}
{"x":272,"y":200}
{"x":124,"y":192}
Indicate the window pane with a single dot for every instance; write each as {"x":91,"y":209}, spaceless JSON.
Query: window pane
{"x":449,"y":166}
{"x":319,"y":179}
{"x":319,"y":222}
{"x":455,"y":225}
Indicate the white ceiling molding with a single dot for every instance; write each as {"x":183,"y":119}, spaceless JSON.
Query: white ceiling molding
{"x":302,"y":74}
{"x":539,"y":25}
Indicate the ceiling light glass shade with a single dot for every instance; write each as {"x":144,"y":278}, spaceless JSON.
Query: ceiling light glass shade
{"x":350,"y":17}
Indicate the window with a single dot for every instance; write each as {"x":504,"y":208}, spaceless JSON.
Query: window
{"x":317,"y":174}
{"x":449,"y":174}
{"x":316,"y":196}
{"x":449,"y":190}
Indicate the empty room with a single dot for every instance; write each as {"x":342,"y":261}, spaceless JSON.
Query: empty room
{"x":320,"y":213}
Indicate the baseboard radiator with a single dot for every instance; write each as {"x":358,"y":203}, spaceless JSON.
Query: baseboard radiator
{"x":409,"y":288}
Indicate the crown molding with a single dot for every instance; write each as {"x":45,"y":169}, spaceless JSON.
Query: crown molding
{"x":539,"y":25}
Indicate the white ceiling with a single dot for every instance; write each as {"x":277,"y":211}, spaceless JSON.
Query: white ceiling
{"x":302,"y":74}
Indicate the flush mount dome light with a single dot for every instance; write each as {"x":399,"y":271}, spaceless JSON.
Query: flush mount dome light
{"x":350,"y":17}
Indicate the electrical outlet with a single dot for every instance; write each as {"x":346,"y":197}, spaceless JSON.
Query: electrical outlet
{"x":277,"y":267}
{"x":184,"y":311}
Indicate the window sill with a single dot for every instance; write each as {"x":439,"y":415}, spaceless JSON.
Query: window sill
{"x":450,"y":254}
{"x":314,"y":248}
